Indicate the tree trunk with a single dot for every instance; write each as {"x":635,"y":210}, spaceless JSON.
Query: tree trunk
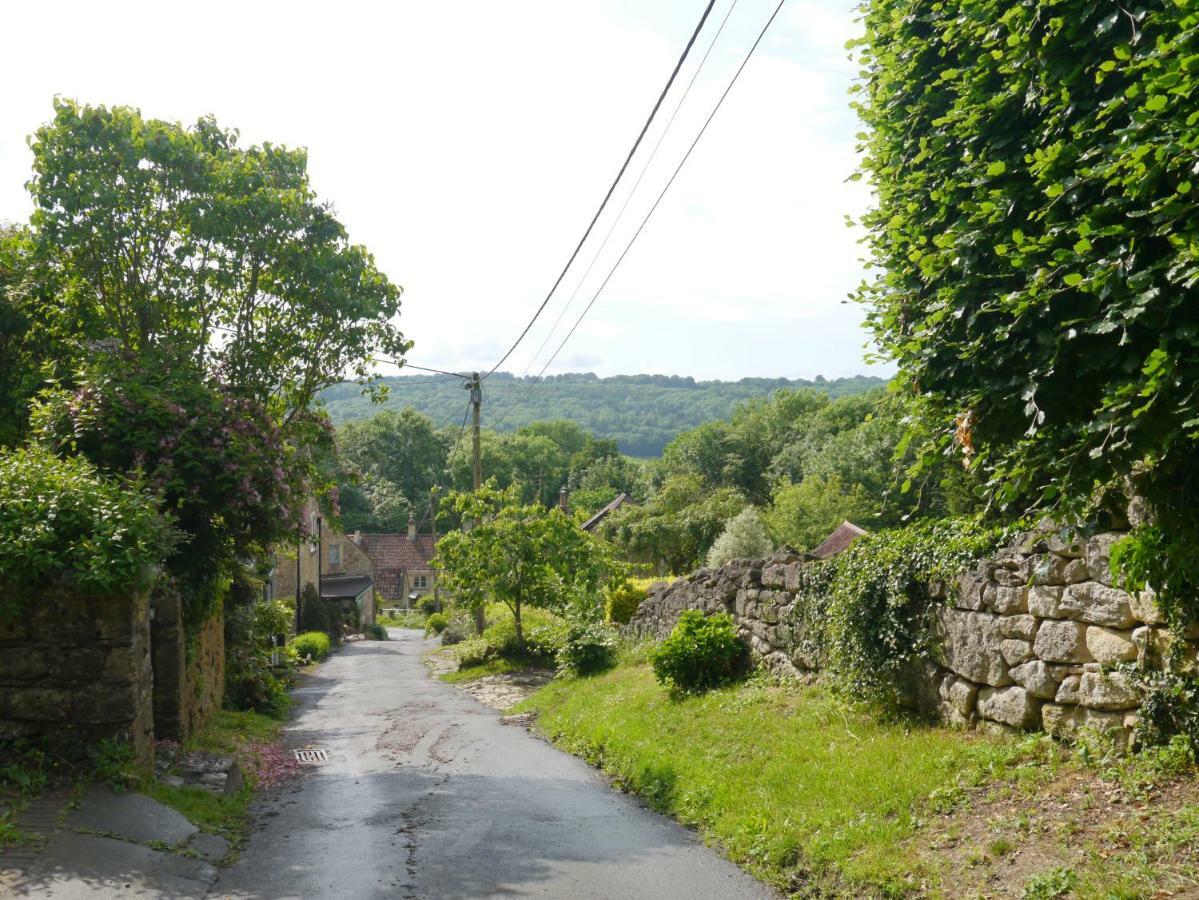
{"x":520,"y":634}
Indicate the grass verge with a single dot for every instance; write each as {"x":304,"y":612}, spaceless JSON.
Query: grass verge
{"x":496,"y":666}
{"x":807,"y":792}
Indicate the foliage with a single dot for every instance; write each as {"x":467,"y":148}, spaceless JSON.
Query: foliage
{"x":744,"y":537}
{"x":473,"y":651}
{"x":543,"y":636}
{"x":375,"y":632}
{"x":251,"y":682}
{"x":1049,"y":885}
{"x":61,"y":521}
{"x":701,"y":653}
{"x":623,"y":598}
{"x":802,"y":515}
{"x":319,"y":614}
{"x":641,"y":413}
{"x":436,"y":623}
{"x":588,"y":647}
{"x":404,"y":619}
{"x":427,"y":604}
{"x":312,"y":645}
{"x":24,"y":348}
{"x":521,"y":555}
{"x":1035,"y":241}
{"x":877,"y":613}
{"x":167,"y":237}
{"x":1169,"y":708}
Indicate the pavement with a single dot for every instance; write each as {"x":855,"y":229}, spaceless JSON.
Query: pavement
{"x":425,"y":794}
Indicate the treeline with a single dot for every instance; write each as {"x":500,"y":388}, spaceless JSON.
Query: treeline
{"x":788,"y":468}
{"x":641,"y":413}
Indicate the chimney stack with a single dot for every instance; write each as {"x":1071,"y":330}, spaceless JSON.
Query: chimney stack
{"x":564,"y":500}
{"x":411,"y":527}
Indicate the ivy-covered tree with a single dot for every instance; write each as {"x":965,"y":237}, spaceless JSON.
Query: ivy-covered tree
{"x":1036,"y":238}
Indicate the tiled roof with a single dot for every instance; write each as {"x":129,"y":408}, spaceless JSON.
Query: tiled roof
{"x":616,"y":504}
{"x":397,"y":551}
{"x":846,"y":534}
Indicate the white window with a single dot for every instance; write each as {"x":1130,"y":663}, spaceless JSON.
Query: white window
{"x":335,"y":554}
{"x":420,"y":582}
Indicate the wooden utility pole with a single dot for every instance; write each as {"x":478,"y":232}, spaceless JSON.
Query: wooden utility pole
{"x":436,"y":574}
{"x":476,"y":402}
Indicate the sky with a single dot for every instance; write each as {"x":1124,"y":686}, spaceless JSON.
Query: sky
{"x":467,"y":145}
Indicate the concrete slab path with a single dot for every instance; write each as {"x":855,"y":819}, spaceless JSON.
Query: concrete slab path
{"x":426,"y":795}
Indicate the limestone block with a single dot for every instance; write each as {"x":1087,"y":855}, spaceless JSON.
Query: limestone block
{"x":774,"y":575}
{"x":1064,"y":542}
{"x":1036,"y":677}
{"x":1061,"y":641}
{"x":996,"y":729}
{"x":1059,"y":719}
{"x":1008,"y":578}
{"x":23,"y":663}
{"x":1099,"y":551}
{"x":1097,"y":604}
{"x":792,"y":576}
{"x":1076,"y":571}
{"x":970,"y":646}
{"x":1145,"y":609}
{"x":106,"y":704}
{"x":949,"y":715}
{"x":39,"y":704}
{"x":1022,"y":626}
{"x":1045,"y":601}
{"x":1153,"y":645}
{"x":1015,"y":651}
{"x":1012,"y":706}
{"x":1110,"y":646}
{"x":1049,"y":569}
{"x":959,"y":693}
{"x":968,"y":591}
{"x":1009,"y":601}
{"x":1107,"y":690}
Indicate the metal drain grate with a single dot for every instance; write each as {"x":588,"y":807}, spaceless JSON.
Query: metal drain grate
{"x":311,"y":756}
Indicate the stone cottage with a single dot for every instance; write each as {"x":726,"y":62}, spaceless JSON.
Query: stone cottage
{"x":403,"y":563}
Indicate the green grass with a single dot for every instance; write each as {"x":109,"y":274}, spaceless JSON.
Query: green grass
{"x":229,"y":730}
{"x":411,"y":619}
{"x":496,"y":666}
{"x":226,"y":815}
{"x":803,"y":789}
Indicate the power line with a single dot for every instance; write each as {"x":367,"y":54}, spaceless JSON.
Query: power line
{"x":637,"y":143}
{"x":404,"y":364}
{"x":649,"y":162}
{"x":648,"y":215}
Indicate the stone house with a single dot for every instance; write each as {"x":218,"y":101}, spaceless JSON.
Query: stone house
{"x":330,"y":561}
{"x":403,"y":563}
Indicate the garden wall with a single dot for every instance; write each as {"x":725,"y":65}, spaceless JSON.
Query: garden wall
{"x":1027,"y":638}
{"x":74,"y":670}
{"x":189,"y":675}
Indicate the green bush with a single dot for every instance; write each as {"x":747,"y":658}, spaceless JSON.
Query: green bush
{"x":251,"y":682}
{"x":436,"y":623}
{"x":375,"y":631}
{"x":544,"y":635}
{"x":427,"y":604}
{"x":702,"y":652}
{"x":621,"y":601}
{"x":314,"y":645}
{"x":473,"y":652}
{"x":317,"y":614}
{"x":60,"y":520}
{"x":456,"y":631}
{"x":589,"y":647}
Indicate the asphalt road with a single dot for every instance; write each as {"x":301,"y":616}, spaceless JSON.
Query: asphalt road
{"x":426,"y":795}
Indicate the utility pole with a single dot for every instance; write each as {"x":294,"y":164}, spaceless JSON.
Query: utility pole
{"x":436,"y":574}
{"x":476,"y":402}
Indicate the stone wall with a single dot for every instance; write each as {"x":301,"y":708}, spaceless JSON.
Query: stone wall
{"x":1027,"y":638}
{"x":74,"y":670}
{"x":189,"y":671}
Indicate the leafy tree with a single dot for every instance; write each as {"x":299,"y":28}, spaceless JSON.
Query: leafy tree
{"x":802,"y":515}
{"x":520,"y":554}
{"x":744,"y":537}
{"x":166,"y":238}
{"x":1035,"y":237}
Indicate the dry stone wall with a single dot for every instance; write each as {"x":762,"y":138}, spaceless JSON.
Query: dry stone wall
{"x":1027,"y":638}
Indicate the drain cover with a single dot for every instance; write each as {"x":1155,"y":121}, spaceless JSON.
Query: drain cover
{"x":311,"y":756}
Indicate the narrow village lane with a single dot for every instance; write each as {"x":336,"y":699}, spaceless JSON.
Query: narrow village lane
{"x":426,"y":795}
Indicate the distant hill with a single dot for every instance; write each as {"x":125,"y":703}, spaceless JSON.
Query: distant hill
{"x":642,"y":412}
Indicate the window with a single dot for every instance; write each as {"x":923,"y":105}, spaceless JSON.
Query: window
{"x":335,"y":554}
{"x":420,"y":582}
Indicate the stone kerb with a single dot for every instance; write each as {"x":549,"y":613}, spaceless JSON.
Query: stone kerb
{"x":1027,"y":638}
{"x":76,"y":669}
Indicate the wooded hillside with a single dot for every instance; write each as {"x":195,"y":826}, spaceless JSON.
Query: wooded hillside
{"x":642,"y":413}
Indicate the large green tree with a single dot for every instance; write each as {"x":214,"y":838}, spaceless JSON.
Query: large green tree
{"x":162,"y":236}
{"x":1036,"y":239}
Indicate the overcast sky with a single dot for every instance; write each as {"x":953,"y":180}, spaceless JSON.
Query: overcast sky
{"x":468,"y":144}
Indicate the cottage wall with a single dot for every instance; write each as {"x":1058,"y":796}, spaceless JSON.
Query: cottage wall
{"x":1028,"y":638}
{"x":189,"y":671}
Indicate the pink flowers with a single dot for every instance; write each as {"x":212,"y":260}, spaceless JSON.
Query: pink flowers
{"x":269,"y":764}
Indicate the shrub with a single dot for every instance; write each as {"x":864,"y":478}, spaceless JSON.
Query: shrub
{"x":589,"y":647}
{"x":314,"y":645}
{"x":744,"y":537}
{"x":427,"y":604}
{"x":544,"y":635}
{"x":455,"y":632}
{"x":251,"y":682}
{"x":436,"y":623}
{"x":375,"y":632}
{"x":317,"y":614}
{"x":60,"y":520}
{"x":701,"y":653}
{"x":622,"y":601}
{"x":473,"y":652}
